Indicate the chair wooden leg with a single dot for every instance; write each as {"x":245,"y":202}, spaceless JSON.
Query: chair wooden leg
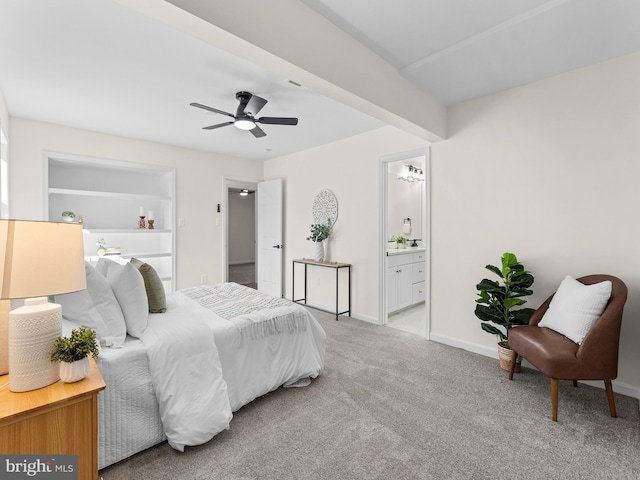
{"x":513,"y":366}
{"x":554,"y":399}
{"x":612,"y":402}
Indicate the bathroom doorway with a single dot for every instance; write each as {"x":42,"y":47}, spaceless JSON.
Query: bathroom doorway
{"x":404,"y":246}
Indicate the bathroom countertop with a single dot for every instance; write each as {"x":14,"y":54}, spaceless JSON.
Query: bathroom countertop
{"x":404,"y":251}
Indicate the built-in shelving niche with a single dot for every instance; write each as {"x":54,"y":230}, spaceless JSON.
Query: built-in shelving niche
{"x":108,"y":194}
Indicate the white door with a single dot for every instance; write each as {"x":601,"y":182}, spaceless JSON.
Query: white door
{"x":269,"y":235}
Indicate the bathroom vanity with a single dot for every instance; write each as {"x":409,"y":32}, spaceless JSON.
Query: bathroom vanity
{"x":405,"y":277}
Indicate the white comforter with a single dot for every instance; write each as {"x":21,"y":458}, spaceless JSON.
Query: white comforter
{"x":254,"y":362}
{"x":187,"y":376}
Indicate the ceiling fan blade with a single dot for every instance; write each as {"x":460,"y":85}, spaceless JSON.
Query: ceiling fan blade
{"x":258,"y":132}
{"x":277,"y":120}
{"x":211,"y":127}
{"x":211,"y":109}
{"x":255,"y":105}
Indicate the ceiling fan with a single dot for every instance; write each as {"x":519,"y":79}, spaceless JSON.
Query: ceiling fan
{"x":245,"y":118}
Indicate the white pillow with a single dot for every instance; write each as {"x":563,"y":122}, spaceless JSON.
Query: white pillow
{"x":97,"y":308}
{"x":575,"y":308}
{"x":128,"y":286}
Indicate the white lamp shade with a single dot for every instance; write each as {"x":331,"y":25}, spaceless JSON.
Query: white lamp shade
{"x":40,"y":258}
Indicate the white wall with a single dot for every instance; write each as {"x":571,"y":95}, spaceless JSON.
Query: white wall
{"x":4,"y":114}
{"x":4,"y":153}
{"x":199,"y":185}
{"x":349,"y":168}
{"x":550,"y":172}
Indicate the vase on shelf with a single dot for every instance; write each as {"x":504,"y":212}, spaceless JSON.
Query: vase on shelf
{"x":101,"y":250}
{"x":318,"y":254}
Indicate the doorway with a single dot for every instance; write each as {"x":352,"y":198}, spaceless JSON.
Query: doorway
{"x":241,"y":234}
{"x":404,"y":270}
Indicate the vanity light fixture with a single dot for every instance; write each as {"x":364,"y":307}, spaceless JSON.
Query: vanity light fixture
{"x":244,"y":192}
{"x":411,"y":174}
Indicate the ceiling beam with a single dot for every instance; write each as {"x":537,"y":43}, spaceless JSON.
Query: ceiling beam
{"x":290,"y":39}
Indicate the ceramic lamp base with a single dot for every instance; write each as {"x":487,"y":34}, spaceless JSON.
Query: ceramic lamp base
{"x":5,"y":306}
{"x":33,"y":328}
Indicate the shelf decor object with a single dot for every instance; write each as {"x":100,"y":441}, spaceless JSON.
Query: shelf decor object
{"x":37,"y":259}
{"x":141,"y":222}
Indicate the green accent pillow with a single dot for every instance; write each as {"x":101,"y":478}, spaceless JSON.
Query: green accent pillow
{"x":153,"y":286}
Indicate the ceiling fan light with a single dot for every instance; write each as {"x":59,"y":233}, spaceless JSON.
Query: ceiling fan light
{"x":245,"y":124}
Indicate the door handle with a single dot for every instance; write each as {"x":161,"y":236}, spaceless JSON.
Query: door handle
{"x":277,"y":246}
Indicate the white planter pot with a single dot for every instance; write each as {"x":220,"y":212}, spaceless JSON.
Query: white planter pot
{"x":75,"y":371}
{"x":318,"y":255}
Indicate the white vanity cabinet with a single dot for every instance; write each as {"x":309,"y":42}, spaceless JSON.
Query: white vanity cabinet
{"x":108,"y":195}
{"x":405,"y":279}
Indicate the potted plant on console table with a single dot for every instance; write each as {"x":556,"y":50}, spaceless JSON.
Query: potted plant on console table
{"x":73,"y":352}
{"x":318,"y":233}
{"x":497,"y":300}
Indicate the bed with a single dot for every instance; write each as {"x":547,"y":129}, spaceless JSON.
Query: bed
{"x":213,"y":350}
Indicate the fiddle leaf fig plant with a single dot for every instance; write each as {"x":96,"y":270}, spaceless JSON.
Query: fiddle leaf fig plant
{"x":80,"y":343}
{"x":497,"y":299}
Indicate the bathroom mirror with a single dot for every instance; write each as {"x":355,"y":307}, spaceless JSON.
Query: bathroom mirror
{"x":405,"y":198}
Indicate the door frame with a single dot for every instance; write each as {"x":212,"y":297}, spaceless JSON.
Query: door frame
{"x":382,"y":234}
{"x":237,"y":182}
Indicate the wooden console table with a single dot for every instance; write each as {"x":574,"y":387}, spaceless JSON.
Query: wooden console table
{"x":59,"y":419}
{"x":335,"y":265}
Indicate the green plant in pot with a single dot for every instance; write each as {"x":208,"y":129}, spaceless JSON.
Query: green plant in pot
{"x":498,"y":301}
{"x":73,"y":352}
{"x":401,"y":241}
{"x":318,"y":233}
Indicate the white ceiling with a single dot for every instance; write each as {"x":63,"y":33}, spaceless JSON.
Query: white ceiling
{"x":98,"y":65}
{"x":457,"y":50}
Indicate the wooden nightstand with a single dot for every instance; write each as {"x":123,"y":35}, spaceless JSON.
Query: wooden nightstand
{"x":59,"y":419}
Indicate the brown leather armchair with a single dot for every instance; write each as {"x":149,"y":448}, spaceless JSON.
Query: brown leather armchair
{"x":559,"y":358}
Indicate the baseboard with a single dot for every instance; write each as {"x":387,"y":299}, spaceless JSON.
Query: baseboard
{"x":331,"y":308}
{"x":618,"y":387}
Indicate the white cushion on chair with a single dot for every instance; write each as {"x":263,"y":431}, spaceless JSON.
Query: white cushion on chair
{"x":575,"y":307}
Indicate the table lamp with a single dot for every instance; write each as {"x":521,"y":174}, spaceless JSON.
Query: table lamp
{"x":38,"y":259}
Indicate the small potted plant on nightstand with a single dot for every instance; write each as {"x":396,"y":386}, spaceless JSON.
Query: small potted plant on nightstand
{"x":73,"y":352}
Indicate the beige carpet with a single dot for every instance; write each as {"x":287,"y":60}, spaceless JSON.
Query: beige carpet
{"x":393,"y":406}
